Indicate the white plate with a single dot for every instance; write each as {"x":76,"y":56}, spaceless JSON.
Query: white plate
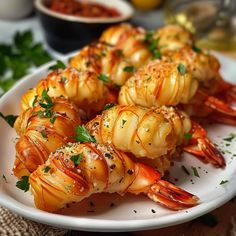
{"x":120,"y":217}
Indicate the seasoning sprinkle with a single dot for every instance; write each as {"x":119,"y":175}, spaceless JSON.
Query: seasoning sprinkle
{"x":195,"y":172}
{"x":185,"y":170}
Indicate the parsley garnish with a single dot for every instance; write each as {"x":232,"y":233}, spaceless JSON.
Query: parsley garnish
{"x":103,"y":77}
{"x":35,"y":100}
{"x":17,"y":58}
{"x":82,"y":135}
{"x":44,"y":135}
{"x":129,"y":69}
{"x":185,"y":170}
{"x":4,"y":178}
{"x":188,"y":135}
{"x":10,"y":119}
{"x":123,"y":121}
{"x":58,"y":65}
{"x":77,"y":159}
{"x":196,"y":49}
{"x":195,"y":172}
{"x":181,"y":69}
{"x":230,"y":137}
{"x":63,"y":80}
{"x":23,"y":183}
{"x":108,"y":106}
{"x":46,"y":169}
{"x":152,"y":44}
{"x":53,"y":119}
{"x":224,"y":182}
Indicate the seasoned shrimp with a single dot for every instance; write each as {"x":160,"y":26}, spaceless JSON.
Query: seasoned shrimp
{"x":76,"y":171}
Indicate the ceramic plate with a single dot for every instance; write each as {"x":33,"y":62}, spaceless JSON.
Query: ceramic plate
{"x":112,"y":213}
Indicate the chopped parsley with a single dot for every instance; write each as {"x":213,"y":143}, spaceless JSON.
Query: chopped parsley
{"x":23,"y":183}
{"x":44,"y":135}
{"x":185,"y":170}
{"x":10,"y":119}
{"x":153,"y":44}
{"x":46,"y":169}
{"x":103,"y":77}
{"x":108,"y":106}
{"x":4,"y":178}
{"x":224,"y":182}
{"x":123,"y":122}
{"x":230,"y":137}
{"x":35,"y":100}
{"x":58,"y":65}
{"x":188,"y":135}
{"x":196,"y":49}
{"x":63,"y":79}
{"x":181,"y":69}
{"x":77,"y":159}
{"x":129,"y":69}
{"x":82,"y":135}
{"x":195,"y":172}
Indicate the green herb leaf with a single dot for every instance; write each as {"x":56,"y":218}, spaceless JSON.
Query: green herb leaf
{"x":35,"y":100}
{"x":188,"y":135}
{"x":209,"y":220}
{"x":23,"y":183}
{"x":44,"y":135}
{"x":230,"y":137}
{"x":185,"y":170}
{"x":195,"y":172}
{"x":103,"y":77}
{"x":82,"y":135}
{"x":4,"y":178}
{"x":129,"y":69}
{"x":46,"y":169}
{"x":123,"y":122}
{"x":53,"y":119}
{"x":10,"y":119}
{"x":224,"y":182}
{"x":181,"y":69}
{"x":77,"y":159}
{"x":58,"y":65}
{"x":196,"y":49}
{"x":108,"y":106}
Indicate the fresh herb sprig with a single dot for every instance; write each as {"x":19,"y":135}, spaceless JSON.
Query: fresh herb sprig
{"x":17,"y":58}
{"x":152,"y":43}
{"x":82,"y":135}
{"x":23,"y":183}
{"x":76,"y":159}
{"x":10,"y":119}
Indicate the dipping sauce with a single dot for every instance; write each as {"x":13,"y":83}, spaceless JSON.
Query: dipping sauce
{"x":82,"y":8}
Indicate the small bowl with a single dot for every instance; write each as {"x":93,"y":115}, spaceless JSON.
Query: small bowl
{"x":66,"y":33}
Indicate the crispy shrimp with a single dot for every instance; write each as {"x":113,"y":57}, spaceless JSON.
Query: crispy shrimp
{"x":42,"y":129}
{"x":81,"y":87}
{"x":76,"y":171}
{"x":160,"y":83}
{"x":152,"y":133}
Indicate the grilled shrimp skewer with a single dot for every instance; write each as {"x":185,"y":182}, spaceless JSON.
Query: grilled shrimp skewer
{"x":171,"y":84}
{"x":76,"y":171}
{"x":152,"y":133}
{"x":81,"y":87}
{"x":41,"y":131}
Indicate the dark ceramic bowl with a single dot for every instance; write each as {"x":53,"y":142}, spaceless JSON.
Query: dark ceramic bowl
{"x":66,"y":33}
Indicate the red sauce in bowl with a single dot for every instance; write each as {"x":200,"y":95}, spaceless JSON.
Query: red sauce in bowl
{"x":82,"y":8}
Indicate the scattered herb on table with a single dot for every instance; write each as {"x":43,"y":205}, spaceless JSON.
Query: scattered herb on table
{"x":17,"y":58}
{"x":23,"y":183}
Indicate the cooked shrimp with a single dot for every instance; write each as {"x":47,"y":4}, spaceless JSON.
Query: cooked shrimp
{"x":42,"y":129}
{"x":76,"y":171}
